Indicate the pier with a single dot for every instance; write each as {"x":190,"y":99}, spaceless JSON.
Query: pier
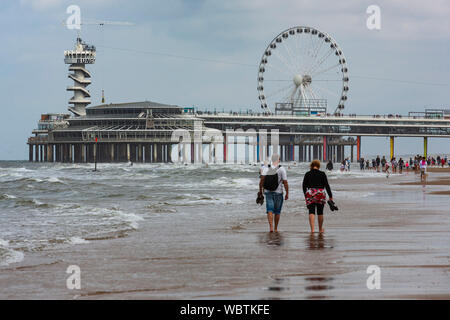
{"x":145,"y":131}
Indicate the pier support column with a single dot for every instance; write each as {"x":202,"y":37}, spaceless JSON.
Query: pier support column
{"x":159,"y":152}
{"x":358,"y":148}
{"x":111,"y":152}
{"x":140,"y":153}
{"x":225,"y":148}
{"x":154,"y":152}
{"x":78,"y":153}
{"x":210,"y":146}
{"x":82,"y":152}
{"x":95,"y":152}
{"x":146,"y":153}
{"x":392,"y":148}
{"x":70,"y":153}
{"x":185,"y":151}
{"x":128,"y":152}
{"x":257,"y":148}
{"x":338,"y":153}
{"x":30,"y":152}
{"x":57,"y":153}
{"x":247,"y":149}
{"x":235,"y":149}
{"x":169,"y":153}
{"x":351,"y":153}
{"x":425,"y":147}
{"x":36,"y":153}
{"x":200,"y":151}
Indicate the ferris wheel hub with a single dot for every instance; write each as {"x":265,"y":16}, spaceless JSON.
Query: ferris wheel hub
{"x":302,"y":80}
{"x":298,"y":80}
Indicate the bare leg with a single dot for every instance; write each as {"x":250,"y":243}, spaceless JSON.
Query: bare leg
{"x":270,"y":218}
{"x":311,"y":222}
{"x":277,"y":219}
{"x":320,"y":218}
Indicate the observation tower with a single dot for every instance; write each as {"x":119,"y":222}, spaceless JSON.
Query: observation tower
{"x":77,"y":59}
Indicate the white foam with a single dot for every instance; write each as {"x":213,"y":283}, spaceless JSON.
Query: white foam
{"x":78,"y":240}
{"x":54,"y":179}
{"x":352,"y":194}
{"x":37,"y":202}
{"x":9,"y":256}
{"x":4,"y":243}
{"x":129,"y":217}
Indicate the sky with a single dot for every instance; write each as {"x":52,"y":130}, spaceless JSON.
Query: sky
{"x":401,"y":67}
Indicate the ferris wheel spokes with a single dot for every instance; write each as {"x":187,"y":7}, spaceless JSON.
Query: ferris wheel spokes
{"x":279,"y":91}
{"x":321,"y":60}
{"x":303,"y":55}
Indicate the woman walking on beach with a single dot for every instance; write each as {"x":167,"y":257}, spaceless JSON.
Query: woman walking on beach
{"x":314,"y":185}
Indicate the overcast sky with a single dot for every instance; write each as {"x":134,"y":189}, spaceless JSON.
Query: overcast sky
{"x":411,"y":48}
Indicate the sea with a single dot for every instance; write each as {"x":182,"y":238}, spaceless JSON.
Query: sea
{"x":49,"y":205}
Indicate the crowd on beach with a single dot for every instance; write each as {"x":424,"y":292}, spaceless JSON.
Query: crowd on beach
{"x":394,"y":165}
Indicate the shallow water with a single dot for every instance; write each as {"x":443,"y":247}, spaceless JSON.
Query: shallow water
{"x":46,"y":205}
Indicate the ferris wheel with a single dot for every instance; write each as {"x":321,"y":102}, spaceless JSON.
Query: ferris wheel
{"x":302,"y":70}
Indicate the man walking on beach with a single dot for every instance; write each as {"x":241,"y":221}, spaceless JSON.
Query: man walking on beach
{"x":273,"y":178}
{"x":423,"y":168}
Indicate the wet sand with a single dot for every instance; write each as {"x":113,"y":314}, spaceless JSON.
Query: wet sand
{"x":438,"y":169}
{"x":429,"y":182}
{"x":433,"y":181}
{"x":396,"y":225}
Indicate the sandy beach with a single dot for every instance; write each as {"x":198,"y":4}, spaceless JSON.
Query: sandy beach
{"x":395,"y":223}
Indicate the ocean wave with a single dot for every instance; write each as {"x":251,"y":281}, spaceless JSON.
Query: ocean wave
{"x":6,"y":196}
{"x":237,"y":183}
{"x":343,"y":194}
{"x":77,"y":240}
{"x":8,"y":255}
{"x":33,"y":203}
{"x":161,"y":207}
{"x":131,"y":218}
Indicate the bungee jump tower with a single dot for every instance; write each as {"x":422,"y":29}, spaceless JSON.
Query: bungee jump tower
{"x":77,"y":59}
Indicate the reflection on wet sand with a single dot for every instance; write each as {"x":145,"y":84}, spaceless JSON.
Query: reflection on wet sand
{"x":272,"y":239}
{"x":318,"y":241}
{"x":319,"y":283}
